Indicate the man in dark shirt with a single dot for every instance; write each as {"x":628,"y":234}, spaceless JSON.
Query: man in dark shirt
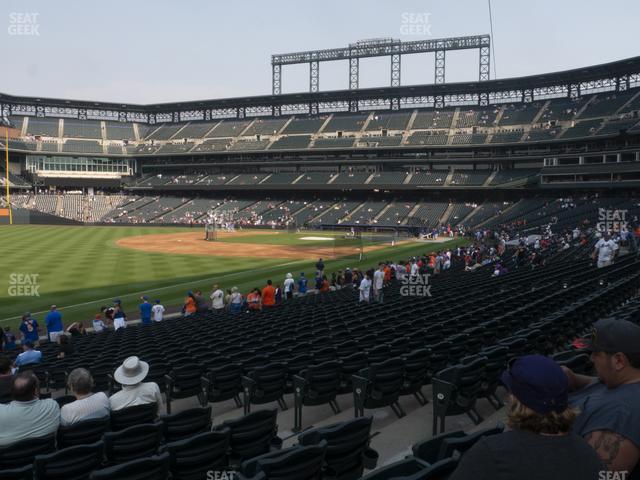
{"x":610,"y":404}
{"x":320,"y":267}
{"x":6,"y":379}
{"x":540,"y":445}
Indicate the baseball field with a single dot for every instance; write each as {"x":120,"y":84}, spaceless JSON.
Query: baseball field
{"x":81,"y":268}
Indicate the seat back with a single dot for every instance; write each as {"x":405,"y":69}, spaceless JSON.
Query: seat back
{"x":22,"y":473}
{"x":270,"y":382}
{"x":386,"y":378}
{"x":152,"y":468}
{"x":193,"y":457}
{"x":349,"y":366}
{"x":22,"y":453}
{"x":252,"y":434}
{"x":186,"y":380}
{"x":73,"y":463}
{"x":224,"y":382}
{"x":132,"y":443}
{"x":429,"y":450}
{"x":136,"y":415}
{"x":464,"y":443}
{"x":186,"y":423}
{"x":323,"y":380}
{"x":416,"y":369}
{"x":346,"y":443}
{"x":295,"y":463}
{"x":86,"y":431}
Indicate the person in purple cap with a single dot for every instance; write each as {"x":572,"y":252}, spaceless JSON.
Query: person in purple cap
{"x":540,"y":444}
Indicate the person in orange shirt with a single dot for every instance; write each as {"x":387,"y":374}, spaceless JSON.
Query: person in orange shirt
{"x":269,"y":295}
{"x":325,"y":284}
{"x":189,"y":304}
{"x":254,"y":301}
{"x":387,"y":272}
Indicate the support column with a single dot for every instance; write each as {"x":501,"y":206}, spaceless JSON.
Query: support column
{"x":314,"y":76}
{"x":354,"y":73}
{"x":395,"y":70}
{"x":440,"y":67}
{"x":276,"y":85}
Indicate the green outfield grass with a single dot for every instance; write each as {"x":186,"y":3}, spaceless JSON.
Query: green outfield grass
{"x":80,"y":268}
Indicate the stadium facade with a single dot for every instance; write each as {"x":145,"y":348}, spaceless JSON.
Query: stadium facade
{"x":491,"y":140}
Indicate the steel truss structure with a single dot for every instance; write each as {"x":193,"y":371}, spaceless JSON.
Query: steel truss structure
{"x":381,"y":47}
{"x":616,"y":76}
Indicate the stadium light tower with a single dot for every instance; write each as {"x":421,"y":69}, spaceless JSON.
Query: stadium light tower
{"x":382,"y":47}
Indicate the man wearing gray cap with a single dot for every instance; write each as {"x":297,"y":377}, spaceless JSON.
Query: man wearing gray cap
{"x":610,"y":403}
{"x":134,"y":392}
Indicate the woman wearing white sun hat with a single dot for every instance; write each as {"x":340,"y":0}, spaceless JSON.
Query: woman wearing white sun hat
{"x":134,"y":392}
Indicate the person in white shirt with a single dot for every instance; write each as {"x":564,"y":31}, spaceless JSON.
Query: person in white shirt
{"x":88,"y":405}
{"x":158,"y":311}
{"x":365,"y":289}
{"x":604,"y":251}
{"x":414,"y":268}
{"x":217,"y":299}
{"x":288,"y":286}
{"x":134,"y":392}
{"x":98,"y":324}
{"x":378,"y":283}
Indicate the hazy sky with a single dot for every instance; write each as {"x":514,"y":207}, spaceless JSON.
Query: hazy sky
{"x":140,"y":51}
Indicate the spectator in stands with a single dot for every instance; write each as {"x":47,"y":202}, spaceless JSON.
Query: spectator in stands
{"x":29,"y":328}
{"x":269,"y":295}
{"x":27,"y":416}
{"x":604,"y":251}
{"x":65,"y":346}
{"x":88,"y":405}
{"x":217,"y":299}
{"x":278,"y":295}
{"x":29,"y":356}
{"x":134,"y":392}
{"x":158,"y":311}
{"x":254,"y":300}
{"x":378,"y":283}
{"x":53,"y":322}
{"x":9,"y":339}
{"x":302,"y":284}
{"x":145,"y":310}
{"x":119,"y":316}
{"x":189,"y":307}
{"x":325,"y":286}
{"x":98,"y":324}
{"x":610,"y":410}
{"x":348,"y":278}
{"x":540,"y":445}
{"x":365,"y":289}
{"x":202,"y":306}
{"x":77,"y":329}
{"x":288,"y":286}
{"x":6,"y":379}
{"x":320,"y":267}
{"x":235,"y":301}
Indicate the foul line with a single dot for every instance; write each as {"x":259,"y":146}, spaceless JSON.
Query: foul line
{"x":161,"y":288}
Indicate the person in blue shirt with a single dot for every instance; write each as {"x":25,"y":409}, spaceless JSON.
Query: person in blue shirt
{"x":302,"y":284}
{"x":145,"y":311}
{"x":29,"y":328}
{"x":28,"y":356}
{"x":53,"y":321}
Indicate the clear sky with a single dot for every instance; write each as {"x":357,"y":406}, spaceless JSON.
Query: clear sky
{"x":146,"y":51}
